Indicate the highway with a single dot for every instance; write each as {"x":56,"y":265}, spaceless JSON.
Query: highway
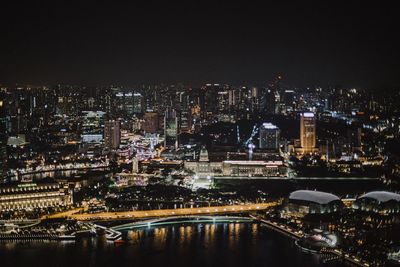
{"x":144,"y":214}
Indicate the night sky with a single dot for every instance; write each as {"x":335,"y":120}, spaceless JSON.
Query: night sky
{"x":326,"y":43}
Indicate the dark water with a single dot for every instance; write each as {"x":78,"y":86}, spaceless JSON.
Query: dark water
{"x":219,"y":245}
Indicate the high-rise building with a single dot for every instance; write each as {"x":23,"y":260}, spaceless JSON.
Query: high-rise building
{"x":185,"y":120}
{"x":3,"y":159}
{"x":3,"y":137}
{"x":354,"y":139}
{"x":223,"y":101}
{"x":270,"y":101}
{"x":307,"y":132}
{"x":269,"y":136}
{"x":112,"y":134}
{"x":150,"y":122}
{"x":289,"y":100}
{"x":138,"y":103}
{"x":171,"y":128}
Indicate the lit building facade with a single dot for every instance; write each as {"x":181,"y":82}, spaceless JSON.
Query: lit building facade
{"x":379,"y":202}
{"x":269,"y":136}
{"x":150,"y":122}
{"x":3,"y":137}
{"x":171,"y":128}
{"x":112,"y":134}
{"x":237,"y":169}
{"x":253,"y":168}
{"x":307,"y":132}
{"x":25,"y":196}
{"x":304,"y":202}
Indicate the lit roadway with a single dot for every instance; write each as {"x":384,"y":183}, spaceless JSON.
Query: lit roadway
{"x":143,"y":214}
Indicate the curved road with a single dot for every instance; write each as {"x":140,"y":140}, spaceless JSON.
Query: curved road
{"x":142,"y":214}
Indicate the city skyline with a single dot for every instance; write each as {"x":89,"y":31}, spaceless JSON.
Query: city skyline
{"x":203,"y":133}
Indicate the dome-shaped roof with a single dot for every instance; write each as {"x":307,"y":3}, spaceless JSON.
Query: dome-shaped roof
{"x":313,"y":196}
{"x":382,"y":196}
{"x":203,"y":154}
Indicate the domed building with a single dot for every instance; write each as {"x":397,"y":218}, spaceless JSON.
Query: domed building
{"x":304,"y":202}
{"x":381,"y":202}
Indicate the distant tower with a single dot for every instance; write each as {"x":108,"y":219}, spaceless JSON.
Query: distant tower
{"x":150,"y":122}
{"x":171,"y":128}
{"x":3,"y":137}
{"x":269,"y":136}
{"x":307,"y":132}
{"x":270,"y":101}
{"x":135,"y":165}
{"x":112,"y":134}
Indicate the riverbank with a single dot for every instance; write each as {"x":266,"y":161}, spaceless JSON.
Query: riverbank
{"x":297,"y":235}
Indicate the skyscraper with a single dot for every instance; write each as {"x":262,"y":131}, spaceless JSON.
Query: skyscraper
{"x":171,"y":128}
{"x":269,"y":136}
{"x":270,"y":101}
{"x":150,"y":122}
{"x":3,"y":137}
{"x":112,"y":134}
{"x":307,"y":132}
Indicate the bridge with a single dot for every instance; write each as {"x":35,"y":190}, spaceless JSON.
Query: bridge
{"x":147,"y":214}
{"x":181,"y":220}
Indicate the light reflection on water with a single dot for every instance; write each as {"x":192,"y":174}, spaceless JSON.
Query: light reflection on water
{"x":221,"y":244}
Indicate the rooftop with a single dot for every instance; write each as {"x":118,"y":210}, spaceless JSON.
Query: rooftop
{"x":313,"y":196}
{"x":268,"y":125}
{"x":382,"y":196}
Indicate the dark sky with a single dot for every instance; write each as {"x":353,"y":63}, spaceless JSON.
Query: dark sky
{"x":327,"y":43}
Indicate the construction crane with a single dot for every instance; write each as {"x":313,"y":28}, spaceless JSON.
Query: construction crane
{"x":252,"y":135}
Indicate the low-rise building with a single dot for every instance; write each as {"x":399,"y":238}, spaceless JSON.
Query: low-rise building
{"x":380,"y":202}
{"x":304,"y":202}
{"x":28,"y":196}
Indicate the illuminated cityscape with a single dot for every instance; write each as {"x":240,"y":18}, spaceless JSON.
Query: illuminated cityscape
{"x":199,"y":134}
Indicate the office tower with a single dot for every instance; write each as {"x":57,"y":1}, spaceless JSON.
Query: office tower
{"x":185,"y":120}
{"x":150,"y":122}
{"x":354,"y":139}
{"x":307,"y":132}
{"x":112,"y":134}
{"x":223,"y":101}
{"x":3,"y":159}
{"x":270,"y":101}
{"x":289,"y":99}
{"x":269,"y":136}
{"x":171,"y":128}
{"x":3,"y":137}
{"x":3,"y":113}
{"x":138,"y":103}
